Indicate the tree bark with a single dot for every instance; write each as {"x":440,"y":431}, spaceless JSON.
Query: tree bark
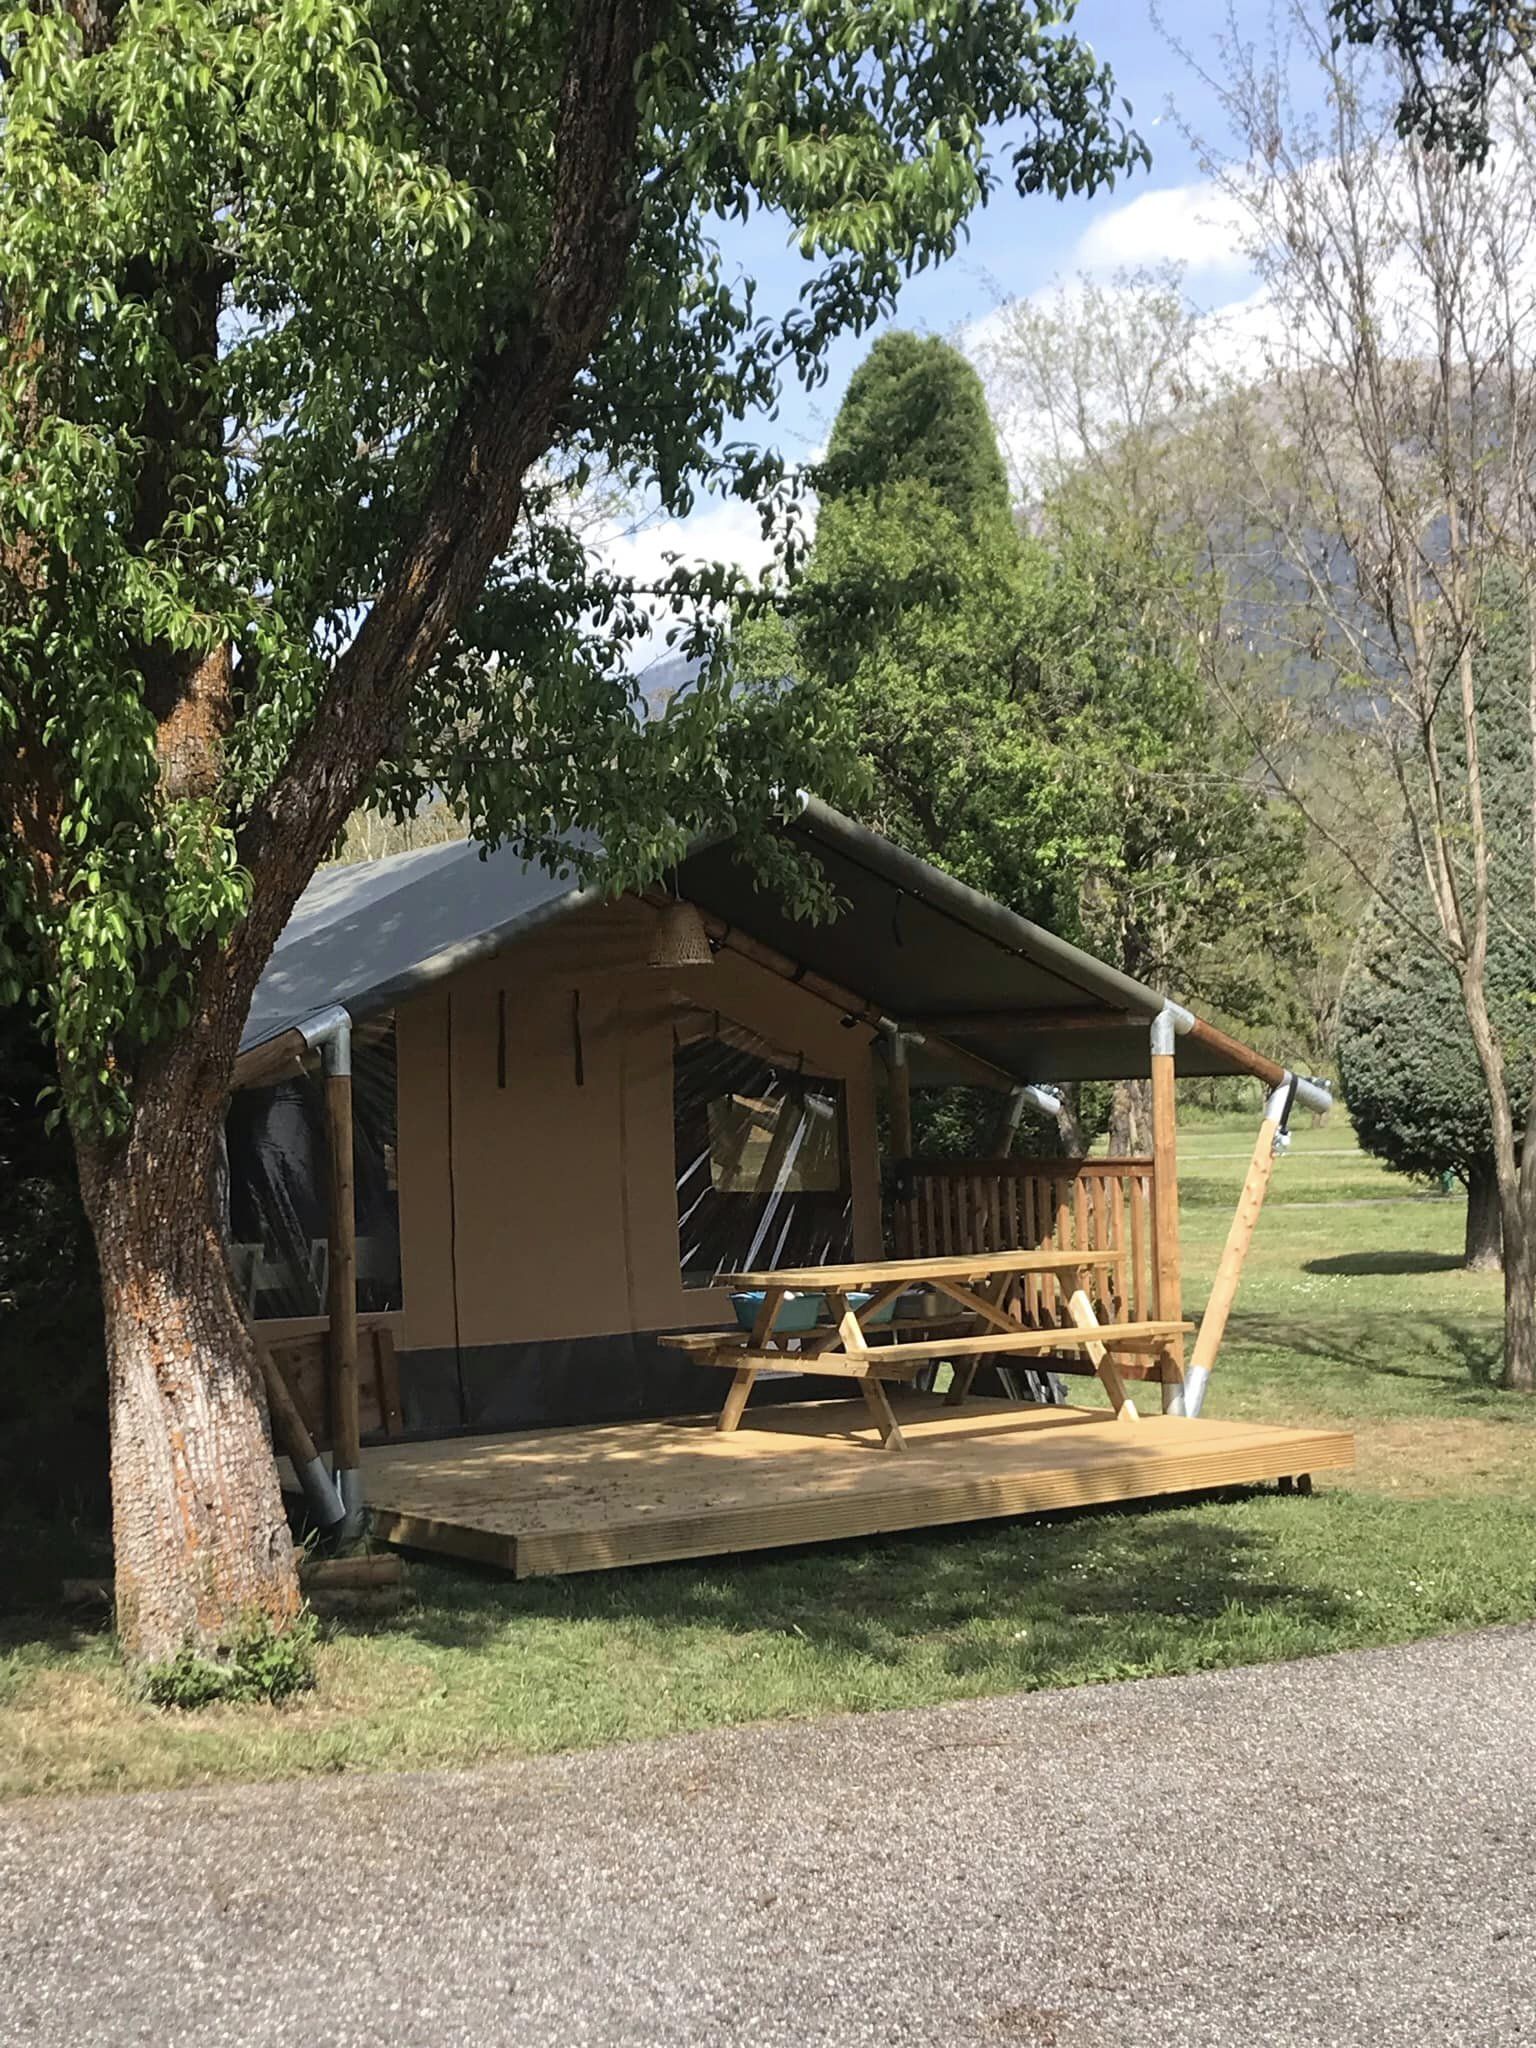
{"x":1484,"y":1251}
{"x":1519,"y":1310}
{"x":199,"y":1533}
{"x":1515,"y":1173}
{"x":1130,"y":1120}
{"x":1074,"y":1139}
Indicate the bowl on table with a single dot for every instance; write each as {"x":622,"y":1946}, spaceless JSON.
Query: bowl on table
{"x":801,"y":1312}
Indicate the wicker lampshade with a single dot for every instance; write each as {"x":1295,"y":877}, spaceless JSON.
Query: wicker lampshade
{"x":680,"y":939}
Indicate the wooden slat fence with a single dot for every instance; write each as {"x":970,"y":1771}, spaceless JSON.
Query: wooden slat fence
{"x":943,"y":1206}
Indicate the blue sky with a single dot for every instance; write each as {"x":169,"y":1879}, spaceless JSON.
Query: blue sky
{"x":1016,"y":247}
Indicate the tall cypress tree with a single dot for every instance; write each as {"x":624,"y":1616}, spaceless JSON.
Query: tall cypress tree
{"x":915,"y":613}
{"x":915,"y":413}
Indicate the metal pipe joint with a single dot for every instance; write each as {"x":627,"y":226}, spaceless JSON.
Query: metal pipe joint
{"x":331,"y":1030}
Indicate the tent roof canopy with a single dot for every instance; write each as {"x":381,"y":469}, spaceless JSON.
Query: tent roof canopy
{"x":934,"y":956}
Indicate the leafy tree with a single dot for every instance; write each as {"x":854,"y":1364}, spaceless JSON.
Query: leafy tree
{"x":1412,"y":1082}
{"x":1035,"y":720}
{"x":1454,"y":55}
{"x":915,"y":413}
{"x":1388,"y":469}
{"x":312,"y":318}
{"x":1117,"y":432}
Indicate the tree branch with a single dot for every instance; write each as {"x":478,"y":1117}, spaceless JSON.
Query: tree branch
{"x":505,"y":423}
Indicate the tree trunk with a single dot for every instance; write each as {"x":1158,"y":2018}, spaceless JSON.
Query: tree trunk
{"x":1130,"y":1120}
{"x":1485,"y":1225}
{"x":1519,"y":1305}
{"x":1074,"y":1139}
{"x":200,"y":1538}
{"x":1517,"y":1200}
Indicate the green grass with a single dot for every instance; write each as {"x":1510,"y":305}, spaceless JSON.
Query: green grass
{"x":1353,"y":1313}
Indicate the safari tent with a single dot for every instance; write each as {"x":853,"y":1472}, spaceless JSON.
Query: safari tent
{"x":497,"y":1137}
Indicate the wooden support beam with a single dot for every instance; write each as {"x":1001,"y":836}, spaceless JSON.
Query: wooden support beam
{"x":276,"y":1060}
{"x":1243,"y":1057}
{"x":1213,"y":1323}
{"x":1167,"y":1281}
{"x":877,"y":1401}
{"x":341,"y":1292}
{"x":288,"y":1424}
{"x":736,"y":1400}
{"x":291,"y":1432}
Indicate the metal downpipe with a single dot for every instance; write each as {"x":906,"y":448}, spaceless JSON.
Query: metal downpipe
{"x":324,"y":1501}
{"x":330,"y":1032}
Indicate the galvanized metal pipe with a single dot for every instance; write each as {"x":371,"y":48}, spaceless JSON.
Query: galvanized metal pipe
{"x":330,"y":1031}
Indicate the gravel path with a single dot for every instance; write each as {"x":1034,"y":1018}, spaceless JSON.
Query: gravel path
{"x":1331,"y":1853}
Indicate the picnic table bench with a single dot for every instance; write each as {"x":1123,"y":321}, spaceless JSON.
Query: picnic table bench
{"x":853,"y":1344}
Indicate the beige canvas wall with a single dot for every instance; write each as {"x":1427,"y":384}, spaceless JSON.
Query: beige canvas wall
{"x":546,"y":1207}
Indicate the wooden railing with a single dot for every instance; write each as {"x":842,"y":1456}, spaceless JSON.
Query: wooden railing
{"x":941,"y":1206}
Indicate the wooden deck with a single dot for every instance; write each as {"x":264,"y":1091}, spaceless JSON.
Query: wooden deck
{"x":588,"y":1499}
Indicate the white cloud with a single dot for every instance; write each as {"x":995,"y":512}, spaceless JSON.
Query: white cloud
{"x":1198,"y":225}
{"x":724,"y":530}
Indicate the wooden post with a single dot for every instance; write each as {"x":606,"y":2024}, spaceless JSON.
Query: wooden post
{"x":1165,"y":1204}
{"x":901,"y":1100}
{"x":341,"y":1292}
{"x":901,"y":1146}
{"x":1213,"y":1323}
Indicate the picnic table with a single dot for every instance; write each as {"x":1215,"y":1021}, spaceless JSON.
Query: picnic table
{"x":855,"y":1342}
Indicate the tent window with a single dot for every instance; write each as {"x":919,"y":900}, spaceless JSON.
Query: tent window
{"x":762,"y":1156}
{"x":278,"y":1226}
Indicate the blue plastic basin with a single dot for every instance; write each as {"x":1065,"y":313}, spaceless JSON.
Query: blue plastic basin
{"x":802,"y":1312}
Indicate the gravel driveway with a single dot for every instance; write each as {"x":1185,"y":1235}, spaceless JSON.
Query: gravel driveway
{"x":1334,"y":1852}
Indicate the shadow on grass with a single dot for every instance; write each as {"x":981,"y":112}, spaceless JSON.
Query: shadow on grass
{"x":1447,"y":1355}
{"x":1386,"y":1263}
{"x":1121,"y":1573}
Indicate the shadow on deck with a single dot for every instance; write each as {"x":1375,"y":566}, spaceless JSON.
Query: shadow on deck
{"x":569,"y":1500}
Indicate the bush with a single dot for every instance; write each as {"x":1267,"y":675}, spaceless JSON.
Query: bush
{"x":255,"y":1663}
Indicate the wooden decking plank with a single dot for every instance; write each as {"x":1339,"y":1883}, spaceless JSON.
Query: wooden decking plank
{"x":523,"y":1519}
{"x":591,"y":1498}
{"x":829,"y":1519}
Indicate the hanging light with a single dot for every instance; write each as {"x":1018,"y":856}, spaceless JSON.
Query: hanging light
{"x":680,"y":939}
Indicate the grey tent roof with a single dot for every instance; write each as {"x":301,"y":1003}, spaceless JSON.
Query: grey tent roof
{"x":368,"y":934}
{"x":916,"y":942}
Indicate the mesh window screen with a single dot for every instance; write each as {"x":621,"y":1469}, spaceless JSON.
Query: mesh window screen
{"x":277,"y":1185}
{"x":762,"y":1155}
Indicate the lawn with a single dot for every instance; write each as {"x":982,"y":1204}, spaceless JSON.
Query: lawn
{"x":1353,"y":1310}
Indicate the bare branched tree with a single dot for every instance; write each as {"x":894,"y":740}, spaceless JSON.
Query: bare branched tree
{"x":1388,"y":462}
{"x":1115,"y":400}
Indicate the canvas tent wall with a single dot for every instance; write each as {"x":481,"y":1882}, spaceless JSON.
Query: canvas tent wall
{"x":536,"y":1162}
{"x":545,"y":1090}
